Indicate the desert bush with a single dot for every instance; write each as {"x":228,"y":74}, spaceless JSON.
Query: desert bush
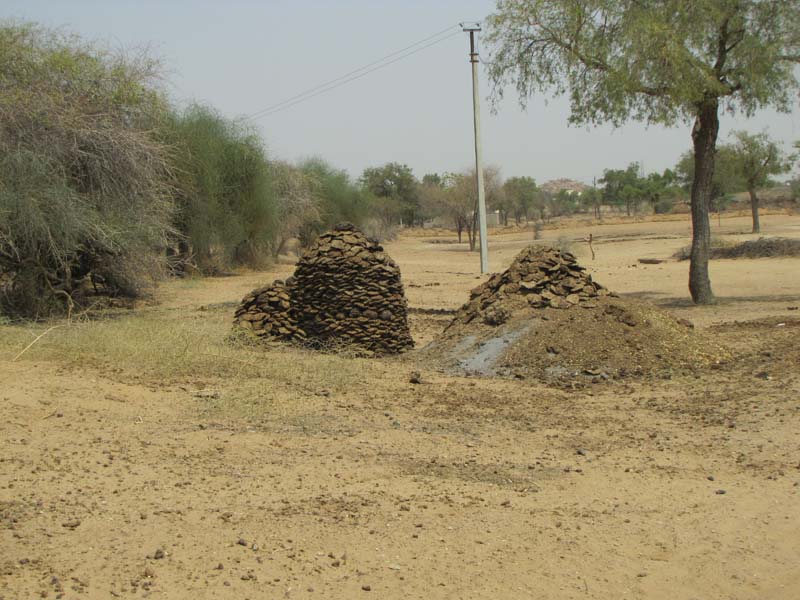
{"x":84,"y":186}
{"x":379,"y":229}
{"x":227,"y":208}
{"x":339,"y":199}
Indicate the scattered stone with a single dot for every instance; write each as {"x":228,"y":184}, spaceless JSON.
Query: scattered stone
{"x":72,"y":524}
{"x":415,"y":377}
{"x":651,"y":261}
{"x":159,"y":554}
{"x":366,"y":588}
{"x":720,"y":492}
{"x":242,"y":542}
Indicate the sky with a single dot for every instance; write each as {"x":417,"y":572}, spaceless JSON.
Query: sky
{"x":243,"y":56}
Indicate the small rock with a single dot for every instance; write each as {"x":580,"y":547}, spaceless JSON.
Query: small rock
{"x":415,"y":377}
{"x":366,"y":588}
{"x":242,"y":542}
{"x":720,"y":492}
{"x":159,"y":554}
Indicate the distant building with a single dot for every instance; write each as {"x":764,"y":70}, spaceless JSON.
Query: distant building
{"x":570,"y":185}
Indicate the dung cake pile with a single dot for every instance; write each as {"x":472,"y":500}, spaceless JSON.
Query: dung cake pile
{"x":346,"y":291}
{"x":541,"y":276}
{"x":546,"y":318}
{"x":267,"y":311}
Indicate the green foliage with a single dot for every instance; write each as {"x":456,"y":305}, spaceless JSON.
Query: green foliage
{"x":650,"y":61}
{"x":339,"y":199}
{"x":84,"y":187}
{"x":629,"y":188}
{"x":622,"y":187}
{"x":227,"y":207}
{"x":396,"y":188}
{"x":522,"y":195}
{"x":757,"y":157}
{"x":562,"y":203}
{"x":727,"y":178}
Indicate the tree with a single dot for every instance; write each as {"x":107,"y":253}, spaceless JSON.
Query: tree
{"x":298,"y":203}
{"x":460,"y":200}
{"x":563,"y":202}
{"x":725,"y":182}
{"x":395,"y":183}
{"x":795,"y":183}
{"x":227,"y":209}
{"x":756,"y":158}
{"x":592,"y":199}
{"x":339,"y":199}
{"x":661,"y":190}
{"x":457,"y":203}
{"x":431,"y":196}
{"x":659,"y":61}
{"x":521,"y":193}
{"x":622,"y":186}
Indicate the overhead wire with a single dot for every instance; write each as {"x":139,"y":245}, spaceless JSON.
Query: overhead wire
{"x":355,"y":74}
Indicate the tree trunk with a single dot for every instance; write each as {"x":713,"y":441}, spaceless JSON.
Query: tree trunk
{"x":704,"y":140}
{"x":754,"y":209}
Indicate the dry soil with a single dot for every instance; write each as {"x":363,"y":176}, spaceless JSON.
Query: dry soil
{"x":165,"y":473}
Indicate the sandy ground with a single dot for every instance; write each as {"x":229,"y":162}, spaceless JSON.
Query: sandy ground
{"x":118,"y":485}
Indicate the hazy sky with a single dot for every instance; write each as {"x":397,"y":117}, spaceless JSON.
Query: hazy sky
{"x":244,"y":55}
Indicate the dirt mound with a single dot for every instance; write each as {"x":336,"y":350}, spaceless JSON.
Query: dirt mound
{"x":760,"y":248}
{"x":346,"y":291}
{"x":546,"y":318}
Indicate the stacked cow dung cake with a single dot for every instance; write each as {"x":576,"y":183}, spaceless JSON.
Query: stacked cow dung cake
{"x":267,"y":311}
{"x":545,"y":317}
{"x":346,"y":291}
{"x":544,"y":277}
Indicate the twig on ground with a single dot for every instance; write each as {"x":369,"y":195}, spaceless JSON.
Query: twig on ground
{"x":38,"y":337}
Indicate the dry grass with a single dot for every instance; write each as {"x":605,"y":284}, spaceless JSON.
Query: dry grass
{"x":171,"y":346}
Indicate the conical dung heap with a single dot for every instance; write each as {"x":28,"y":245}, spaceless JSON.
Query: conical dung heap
{"x":544,"y":277}
{"x":544,"y":317}
{"x":346,"y":291}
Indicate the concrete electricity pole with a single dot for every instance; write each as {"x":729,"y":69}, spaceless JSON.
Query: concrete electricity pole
{"x":472,"y":28}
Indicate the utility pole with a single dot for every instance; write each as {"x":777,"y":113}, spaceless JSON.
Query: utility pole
{"x":473,"y":28}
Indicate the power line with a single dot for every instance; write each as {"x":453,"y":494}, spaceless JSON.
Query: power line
{"x":355,"y":74}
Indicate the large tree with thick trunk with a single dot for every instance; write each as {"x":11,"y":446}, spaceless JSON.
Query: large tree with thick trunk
{"x":657,"y":61}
